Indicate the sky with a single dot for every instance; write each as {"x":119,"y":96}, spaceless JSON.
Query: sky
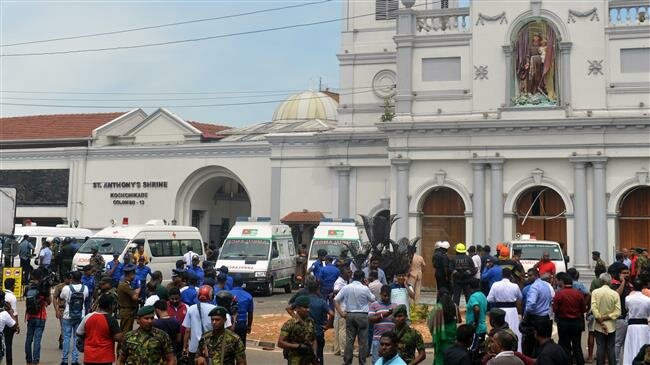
{"x":266,"y":66}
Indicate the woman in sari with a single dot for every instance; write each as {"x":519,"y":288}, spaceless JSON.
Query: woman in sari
{"x":442,"y":324}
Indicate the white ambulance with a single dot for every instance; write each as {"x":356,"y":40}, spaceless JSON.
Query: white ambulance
{"x":163,"y":244}
{"x":262,"y":254}
{"x":39,"y":234}
{"x":532,"y":251}
{"x":332,"y":235}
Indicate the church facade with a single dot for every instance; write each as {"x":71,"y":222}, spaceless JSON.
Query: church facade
{"x":472,"y":124}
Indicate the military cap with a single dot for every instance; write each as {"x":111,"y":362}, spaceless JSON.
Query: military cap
{"x":224,"y":269}
{"x":497,"y":313}
{"x":322,"y":252}
{"x":106,"y":279}
{"x":87,"y":267}
{"x":94,"y":248}
{"x":116,"y":254}
{"x":401,"y":309}
{"x":129,"y":267}
{"x":176,"y":272}
{"x":218,"y":311}
{"x":595,"y":253}
{"x":302,"y":301}
{"x":146,"y":310}
{"x":639,"y":250}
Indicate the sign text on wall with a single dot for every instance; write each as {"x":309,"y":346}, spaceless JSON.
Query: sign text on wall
{"x":129,"y":198}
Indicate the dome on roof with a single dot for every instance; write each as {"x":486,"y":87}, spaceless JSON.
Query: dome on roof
{"x":307,"y":105}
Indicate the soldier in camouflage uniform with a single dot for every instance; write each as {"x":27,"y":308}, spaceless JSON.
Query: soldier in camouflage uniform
{"x":97,"y":262}
{"x":409,"y":339}
{"x":498,"y":323}
{"x":298,"y":336}
{"x":220,"y":345}
{"x":146,"y":345}
{"x":105,"y":287}
{"x":600,"y":264}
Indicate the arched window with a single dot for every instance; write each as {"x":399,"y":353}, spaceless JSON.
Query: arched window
{"x":535,"y":68}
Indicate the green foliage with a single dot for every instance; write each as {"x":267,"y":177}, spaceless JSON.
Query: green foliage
{"x":419,"y":312}
{"x":538,"y":99}
{"x":389,"y":110}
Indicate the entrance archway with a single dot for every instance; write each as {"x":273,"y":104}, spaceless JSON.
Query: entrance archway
{"x":634,"y":218}
{"x":541,"y":212}
{"x":211,"y":199}
{"x":443,"y":219}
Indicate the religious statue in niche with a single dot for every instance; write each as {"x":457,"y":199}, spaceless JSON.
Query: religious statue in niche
{"x":535,"y":68}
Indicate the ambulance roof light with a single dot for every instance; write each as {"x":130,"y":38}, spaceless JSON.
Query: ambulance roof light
{"x":253,"y":219}
{"x":337,"y":220}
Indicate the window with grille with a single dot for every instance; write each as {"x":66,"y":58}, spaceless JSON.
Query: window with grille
{"x":386,"y":9}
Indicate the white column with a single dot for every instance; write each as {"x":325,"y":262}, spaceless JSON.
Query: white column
{"x":478,"y":203}
{"x":404,"y":60}
{"x":600,"y":206}
{"x":343,"y":173}
{"x":496,"y":202}
{"x":565,"y":73}
{"x":276,"y":190}
{"x":401,"y":196}
{"x":579,"y":253}
{"x":507,"y":50}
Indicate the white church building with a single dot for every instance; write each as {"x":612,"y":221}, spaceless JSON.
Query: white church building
{"x":472,"y":124}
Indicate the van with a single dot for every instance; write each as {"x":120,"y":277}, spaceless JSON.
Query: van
{"x":532,"y":250}
{"x":332,"y":235}
{"x":39,"y":234}
{"x":262,"y":254}
{"x":163,"y":244}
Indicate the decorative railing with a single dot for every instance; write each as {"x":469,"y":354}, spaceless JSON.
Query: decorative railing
{"x":442,"y":21}
{"x":628,"y":12}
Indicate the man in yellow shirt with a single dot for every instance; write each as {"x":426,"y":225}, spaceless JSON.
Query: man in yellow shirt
{"x":606,"y":308}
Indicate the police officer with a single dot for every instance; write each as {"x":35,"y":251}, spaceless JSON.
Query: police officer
{"x":127,"y":299}
{"x":220,"y":345}
{"x":146,"y":344}
{"x":298,"y":336}
{"x":89,"y":281}
{"x":244,"y":309}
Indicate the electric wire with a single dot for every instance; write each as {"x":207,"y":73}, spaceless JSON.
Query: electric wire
{"x":170,"y":106}
{"x":128,"y":30}
{"x":189,"y":40}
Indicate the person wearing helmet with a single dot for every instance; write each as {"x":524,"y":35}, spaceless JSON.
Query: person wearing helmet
{"x":462,"y":269}
{"x":197,"y":322}
{"x":440,"y":262}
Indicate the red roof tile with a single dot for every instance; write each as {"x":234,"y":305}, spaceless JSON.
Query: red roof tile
{"x":209,"y":131}
{"x":71,"y":126}
{"x":54,"y":126}
{"x":302,"y":217}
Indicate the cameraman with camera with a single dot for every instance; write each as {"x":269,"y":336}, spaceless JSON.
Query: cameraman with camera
{"x":37,"y":298}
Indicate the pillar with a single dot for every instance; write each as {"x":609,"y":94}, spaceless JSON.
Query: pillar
{"x":343,"y":173}
{"x":401,"y":196}
{"x":404,"y":60}
{"x":565,"y":73}
{"x":276,"y":190}
{"x":579,"y":254}
{"x":496,"y":202}
{"x":507,"y":50}
{"x":600,"y":206}
{"x":478,"y":204}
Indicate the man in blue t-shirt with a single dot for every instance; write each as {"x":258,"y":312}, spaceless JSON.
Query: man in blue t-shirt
{"x":189,"y":293}
{"x":115,"y":269}
{"x":327,"y":276}
{"x":196,"y":270}
{"x":88,"y":279}
{"x":244,"y":309}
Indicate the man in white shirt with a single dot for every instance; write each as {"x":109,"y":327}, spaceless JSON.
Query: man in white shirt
{"x":197,"y":322}
{"x":187,"y":258}
{"x":357,"y":298}
{"x":506,"y":295}
{"x":339,"y":322}
{"x":45,"y":256}
{"x":8,"y":320}
{"x":476,"y":259}
{"x":72,"y":315}
{"x":638,"y":312}
{"x":9,"y":331}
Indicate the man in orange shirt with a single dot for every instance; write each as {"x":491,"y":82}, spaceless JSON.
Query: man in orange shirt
{"x":545,"y":265}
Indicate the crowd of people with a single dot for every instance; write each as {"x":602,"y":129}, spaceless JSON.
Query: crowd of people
{"x":203,"y":316}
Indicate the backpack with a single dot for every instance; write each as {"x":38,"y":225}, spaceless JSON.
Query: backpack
{"x":76,"y":303}
{"x":33,"y":300}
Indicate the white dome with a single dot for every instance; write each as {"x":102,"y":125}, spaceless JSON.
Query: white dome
{"x":307,"y":105}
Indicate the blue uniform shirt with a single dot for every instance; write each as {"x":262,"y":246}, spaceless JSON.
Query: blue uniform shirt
{"x":142,"y":272}
{"x":189,"y":296}
{"x":492,"y":275}
{"x":327,"y":275}
{"x":89,"y":282}
{"x":244,"y":304}
{"x":198,"y":272}
{"x":119,"y":270}
{"x":229,"y":283}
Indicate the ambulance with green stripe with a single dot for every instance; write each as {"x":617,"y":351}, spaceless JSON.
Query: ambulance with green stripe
{"x":332,"y":235}
{"x":261,"y":253}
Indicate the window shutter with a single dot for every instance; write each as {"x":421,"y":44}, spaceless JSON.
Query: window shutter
{"x":386,"y":9}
